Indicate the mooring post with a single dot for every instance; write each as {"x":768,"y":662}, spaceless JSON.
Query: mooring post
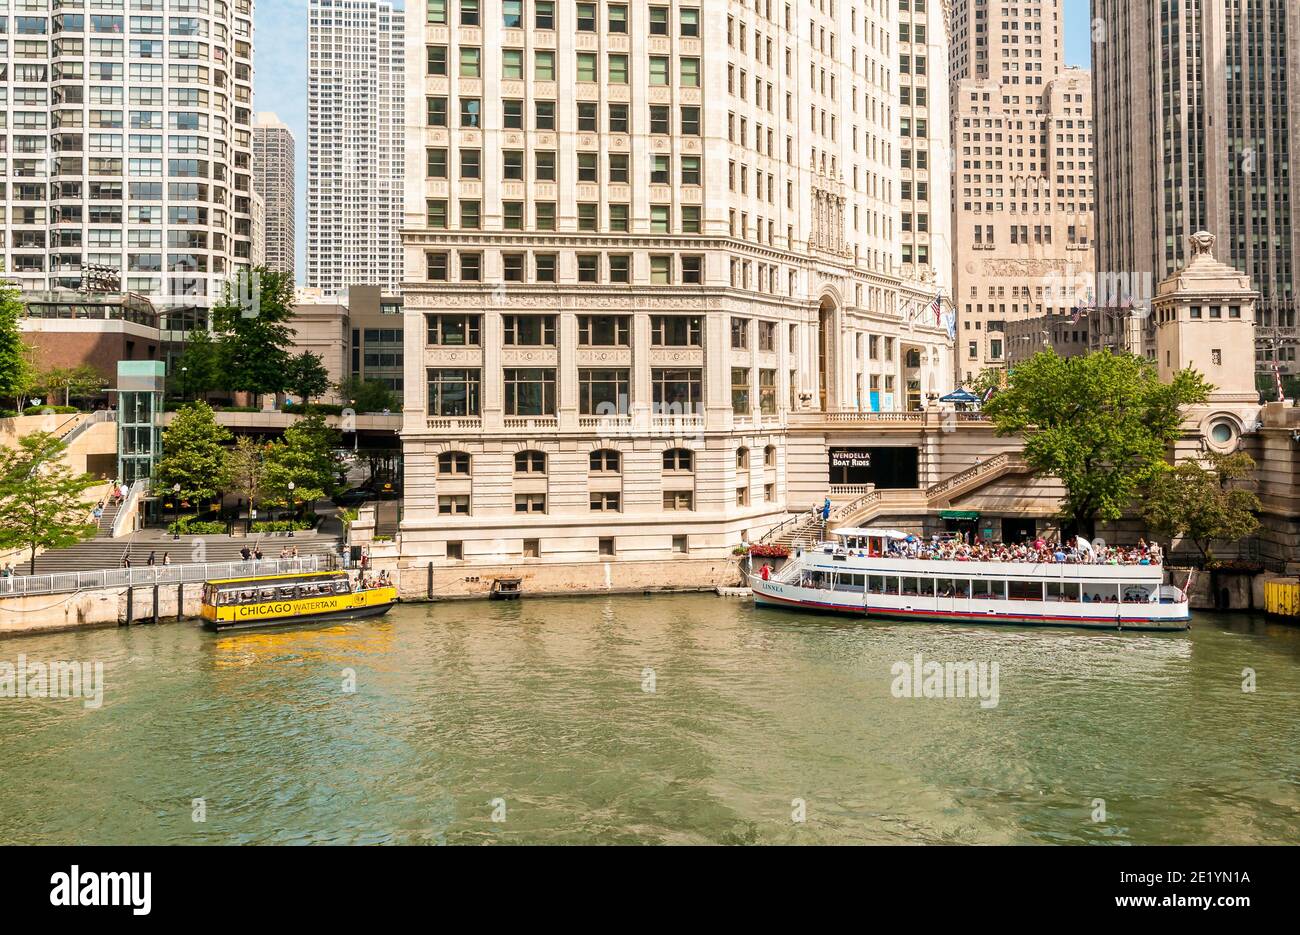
{"x":180,"y":601}
{"x":130,"y":603}
{"x":155,"y":603}
{"x":428,"y":587}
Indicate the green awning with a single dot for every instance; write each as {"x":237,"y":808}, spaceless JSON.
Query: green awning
{"x":958,"y":514}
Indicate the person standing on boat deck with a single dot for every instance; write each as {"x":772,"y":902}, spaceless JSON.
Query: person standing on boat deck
{"x":765,"y":572}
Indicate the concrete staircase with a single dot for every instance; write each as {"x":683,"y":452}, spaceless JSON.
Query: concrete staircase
{"x":106,"y":519}
{"x":808,"y":529}
{"x":103,"y":552}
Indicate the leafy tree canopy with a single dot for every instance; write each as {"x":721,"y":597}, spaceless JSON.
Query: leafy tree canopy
{"x":252,"y":334}
{"x":307,"y":457}
{"x":193,"y":455}
{"x":15,"y":360}
{"x":1204,"y":503}
{"x":42,"y":501}
{"x":197,"y":371}
{"x":1100,"y":423}
{"x":368,"y":395}
{"x":307,"y":377}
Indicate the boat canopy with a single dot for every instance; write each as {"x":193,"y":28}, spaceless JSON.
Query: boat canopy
{"x":870,"y":533}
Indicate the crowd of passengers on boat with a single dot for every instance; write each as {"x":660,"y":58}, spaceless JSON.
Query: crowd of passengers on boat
{"x":1085,"y":592}
{"x":1081,"y":552}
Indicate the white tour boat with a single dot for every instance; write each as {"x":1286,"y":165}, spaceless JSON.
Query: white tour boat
{"x":856,"y":575}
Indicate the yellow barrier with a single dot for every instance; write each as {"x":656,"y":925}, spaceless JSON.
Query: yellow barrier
{"x":1282,"y":597}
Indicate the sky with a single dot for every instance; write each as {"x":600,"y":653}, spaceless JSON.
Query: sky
{"x":280,"y":76}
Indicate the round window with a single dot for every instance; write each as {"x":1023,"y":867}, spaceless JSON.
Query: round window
{"x":1221,"y":433}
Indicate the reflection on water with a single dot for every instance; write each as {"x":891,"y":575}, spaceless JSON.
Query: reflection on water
{"x":664,"y":719}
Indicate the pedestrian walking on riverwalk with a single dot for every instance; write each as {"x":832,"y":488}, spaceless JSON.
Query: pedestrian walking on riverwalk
{"x":151,"y":559}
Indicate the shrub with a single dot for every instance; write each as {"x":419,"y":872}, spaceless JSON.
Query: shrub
{"x":325,"y":409}
{"x":769,"y":551}
{"x":8,"y":413}
{"x":192,"y":526}
{"x":41,"y":410}
{"x":283,"y":525}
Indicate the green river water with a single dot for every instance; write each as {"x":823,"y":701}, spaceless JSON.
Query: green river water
{"x":664,"y":719}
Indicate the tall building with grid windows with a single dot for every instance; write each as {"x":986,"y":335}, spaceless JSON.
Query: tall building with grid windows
{"x":1022,"y":184}
{"x":652,"y":250}
{"x":1198,"y":114}
{"x":273,"y":178}
{"x":924,"y":160}
{"x":355,"y":109}
{"x":127,"y":146}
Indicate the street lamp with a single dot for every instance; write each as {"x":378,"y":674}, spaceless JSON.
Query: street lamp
{"x":293,"y":508}
{"x":176,"y":510}
{"x":352,"y":404}
{"x":185,"y":384}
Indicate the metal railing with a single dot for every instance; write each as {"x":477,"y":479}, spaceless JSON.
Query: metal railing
{"x":64,"y":582}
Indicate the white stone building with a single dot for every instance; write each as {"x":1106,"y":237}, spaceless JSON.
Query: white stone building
{"x":127,"y":135}
{"x":641,"y":239}
{"x":355,"y":88}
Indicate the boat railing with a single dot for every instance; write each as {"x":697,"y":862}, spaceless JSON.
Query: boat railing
{"x":29,"y":585}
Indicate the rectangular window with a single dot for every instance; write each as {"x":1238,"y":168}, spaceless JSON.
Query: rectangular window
{"x":676,"y":390}
{"x":530,"y":391}
{"x":679,"y":501}
{"x":586,"y":13}
{"x":619,"y":221}
{"x":604,"y":501}
{"x":544,"y":115}
{"x":453,"y":393}
{"x":453,"y":505}
{"x":470,"y":215}
{"x":512,"y":64}
{"x":530,"y":503}
{"x":740,"y":390}
{"x":676,"y":331}
{"x":435,"y":267}
{"x":544,"y":66}
{"x":603,"y":330}
{"x":512,"y":13}
{"x":544,"y":14}
{"x":436,"y":111}
{"x":512,"y":114}
{"x":436,"y":163}
{"x":661,"y":269}
{"x":544,"y":267}
{"x":470,"y":164}
{"x":603,"y":392}
{"x":436,"y":56}
{"x":471,"y":267}
{"x":767,"y":392}
{"x":471,"y":109}
{"x":618,"y":69}
{"x":469,"y":15}
{"x":436,"y":214}
{"x":528,"y":330}
{"x":452,"y":330}
{"x":470,"y":62}
{"x":512,"y":165}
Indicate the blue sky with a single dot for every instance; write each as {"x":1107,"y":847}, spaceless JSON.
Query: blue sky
{"x":280,"y":40}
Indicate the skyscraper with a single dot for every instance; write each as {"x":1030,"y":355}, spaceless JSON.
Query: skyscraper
{"x":1197,"y":117}
{"x":355,"y":88}
{"x":642,"y":240}
{"x":924,"y":161}
{"x":1023,"y":180}
{"x":129,"y":145}
{"x":273,"y":178}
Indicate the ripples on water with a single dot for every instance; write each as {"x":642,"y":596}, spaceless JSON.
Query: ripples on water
{"x":542,"y":706}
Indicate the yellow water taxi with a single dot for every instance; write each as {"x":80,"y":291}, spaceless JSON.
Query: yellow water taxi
{"x":279,"y":600}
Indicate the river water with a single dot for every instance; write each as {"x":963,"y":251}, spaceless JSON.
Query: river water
{"x":664,"y":719}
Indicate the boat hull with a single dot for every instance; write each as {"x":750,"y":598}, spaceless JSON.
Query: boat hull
{"x":300,"y":620}
{"x":848,"y":604}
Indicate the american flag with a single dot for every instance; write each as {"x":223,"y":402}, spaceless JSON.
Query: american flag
{"x":1277,"y":381}
{"x":936,"y":306}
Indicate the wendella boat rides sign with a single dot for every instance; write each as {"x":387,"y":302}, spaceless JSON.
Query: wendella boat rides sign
{"x":849,"y":458}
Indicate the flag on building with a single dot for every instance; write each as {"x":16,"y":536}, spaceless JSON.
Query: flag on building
{"x":937,"y":307}
{"x":1277,"y":381}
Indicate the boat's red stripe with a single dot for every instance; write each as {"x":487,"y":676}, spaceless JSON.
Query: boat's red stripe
{"x":957,"y":615}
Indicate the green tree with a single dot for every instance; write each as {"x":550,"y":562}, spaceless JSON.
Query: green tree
{"x":306,"y":456}
{"x":252,"y":334}
{"x":1100,"y":423}
{"x":197,"y":371}
{"x":193,"y":455}
{"x":368,"y":395}
{"x":15,"y":360}
{"x":307,"y":377}
{"x":1204,"y":503}
{"x":245,"y":469}
{"x":41,"y":499}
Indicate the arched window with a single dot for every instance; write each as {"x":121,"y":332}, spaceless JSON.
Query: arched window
{"x":454,"y":463}
{"x":769,"y":456}
{"x":913,"y":358}
{"x":742,"y":459}
{"x":606,"y":461}
{"x":530,"y":462}
{"x":679,"y":459}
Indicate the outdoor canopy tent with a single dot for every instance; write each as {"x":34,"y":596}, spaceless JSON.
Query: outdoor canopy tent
{"x":961,"y":395}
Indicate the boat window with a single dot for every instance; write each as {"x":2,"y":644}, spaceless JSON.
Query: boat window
{"x":1063,"y":591}
{"x":989,"y":590}
{"x":285,"y":593}
{"x":963,"y":588}
{"x":1138,"y":593}
{"x":912,"y":586}
{"x":340,"y":587}
{"x":1026,"y":590}
{"x":1098,"y":593}
{"x":945,"y":587}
